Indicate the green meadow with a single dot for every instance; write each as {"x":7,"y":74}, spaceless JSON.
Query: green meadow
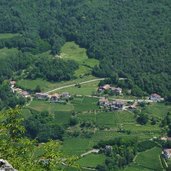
{"x":72,"y":51}
{"x":147,"y":161}
{"x":47,"y":86}
{"x":92,"y":160}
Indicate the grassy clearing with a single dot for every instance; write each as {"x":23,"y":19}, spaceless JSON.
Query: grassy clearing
{"x":158,"y":109}
{"x":8,"y":35}
{"x":72,"y":51}
{"x":6,"y":53}
{"x":150,"y":159}
{"x":85,"y":104}
{"x":85,"y":89}
{"x":39,"y":105}
{"x":92,"y":160}
{"x":147,"y":161}
{"x":76,"y":146}
{"x":46,"y":85}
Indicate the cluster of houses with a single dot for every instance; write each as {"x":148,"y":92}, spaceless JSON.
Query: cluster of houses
{"x":19,"y":90}
{"x":113,"y":105}
{"x":107,"y":87}
{"x":54,"y":98}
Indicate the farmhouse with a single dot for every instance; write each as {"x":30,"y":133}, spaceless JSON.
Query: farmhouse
{"x":116,"y":90}
{"x":103,"y":88}
{"x":65,"y":95}
{"x":167,"y":153}
{"x":25,"y":94}
{"x":12,"y":83}
{"x":156,"y":97}
{"x":103,"y":101}
{"x":116,"y":105}
{"x":54,"y":98}
{"x":42,"y":96}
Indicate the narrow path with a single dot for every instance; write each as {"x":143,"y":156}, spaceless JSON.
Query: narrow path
{"x":89,"y":152}
{"x":28,"y":104}
{"x":72,"y":85}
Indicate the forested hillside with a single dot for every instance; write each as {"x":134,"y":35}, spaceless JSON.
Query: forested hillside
{"x":131,"y":38}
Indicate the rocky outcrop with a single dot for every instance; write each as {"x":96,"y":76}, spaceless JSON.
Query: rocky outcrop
{"x":5,"y":166}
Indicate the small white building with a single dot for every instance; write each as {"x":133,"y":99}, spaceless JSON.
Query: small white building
{"x":116,"y":90}
{"x":167,"y":153}
{"x":156,"y":97}
{"x":65,"y":95}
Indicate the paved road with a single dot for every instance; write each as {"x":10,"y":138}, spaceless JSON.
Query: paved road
{"x":72,"y":85}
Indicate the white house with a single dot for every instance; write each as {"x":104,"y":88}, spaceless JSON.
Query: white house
{"x":167,"y":153}
{"x":156,"y":97}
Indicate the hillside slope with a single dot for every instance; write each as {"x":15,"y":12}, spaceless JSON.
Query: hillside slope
{"x":131,"y":38}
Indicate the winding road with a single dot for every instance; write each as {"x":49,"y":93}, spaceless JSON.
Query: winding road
{"x":72,"y":85}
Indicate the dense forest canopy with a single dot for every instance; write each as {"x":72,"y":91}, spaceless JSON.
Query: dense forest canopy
{"x":132,"y":37}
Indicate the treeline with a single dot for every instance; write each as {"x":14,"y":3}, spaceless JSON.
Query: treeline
{"x":14,"y":62}
{"x":8,"y":98}
{"x":52,"y":69}
{"x":41,"y":126}
{"x":132,"y":37}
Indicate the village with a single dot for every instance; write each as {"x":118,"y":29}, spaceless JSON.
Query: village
{"x":104,"y":102}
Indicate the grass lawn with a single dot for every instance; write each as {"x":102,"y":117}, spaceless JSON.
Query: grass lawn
{"x":72,"y":51}
{"x":150,"y":159}
{"x":8,"y":35}
{"x":50,"y":107}
{"x":158,"y":109}
{"x":76,"y":146}
{"x":85,"y":104}
{"x":92,"y":160}
{"x":86,"y":89}
{"x":47,"y":86}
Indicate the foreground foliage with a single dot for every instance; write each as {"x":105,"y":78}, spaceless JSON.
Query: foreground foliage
{"x":22,"y":152}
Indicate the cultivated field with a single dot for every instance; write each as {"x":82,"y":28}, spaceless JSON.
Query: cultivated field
{"x":147,"y":161}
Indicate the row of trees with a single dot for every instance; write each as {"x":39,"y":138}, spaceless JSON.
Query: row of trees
{"x":52,"y":69}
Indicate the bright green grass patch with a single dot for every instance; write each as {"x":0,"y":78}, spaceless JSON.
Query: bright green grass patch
{"x":85,"y":104}
{"x":8,"y":35}
{"x":85,"y":89}
{"x":72,"y":51}
{"x":136,"y":168}
{"x":5,"y":52}
{"x":158,"y":109}
{"x":47,"y":86}
{"x":50,"y":107}
{"x":114,"y":119}
{"x":150,"y":159}
{"x":92,"y":160}
{"x":82,"y":70}
{"x":76,"y":146}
